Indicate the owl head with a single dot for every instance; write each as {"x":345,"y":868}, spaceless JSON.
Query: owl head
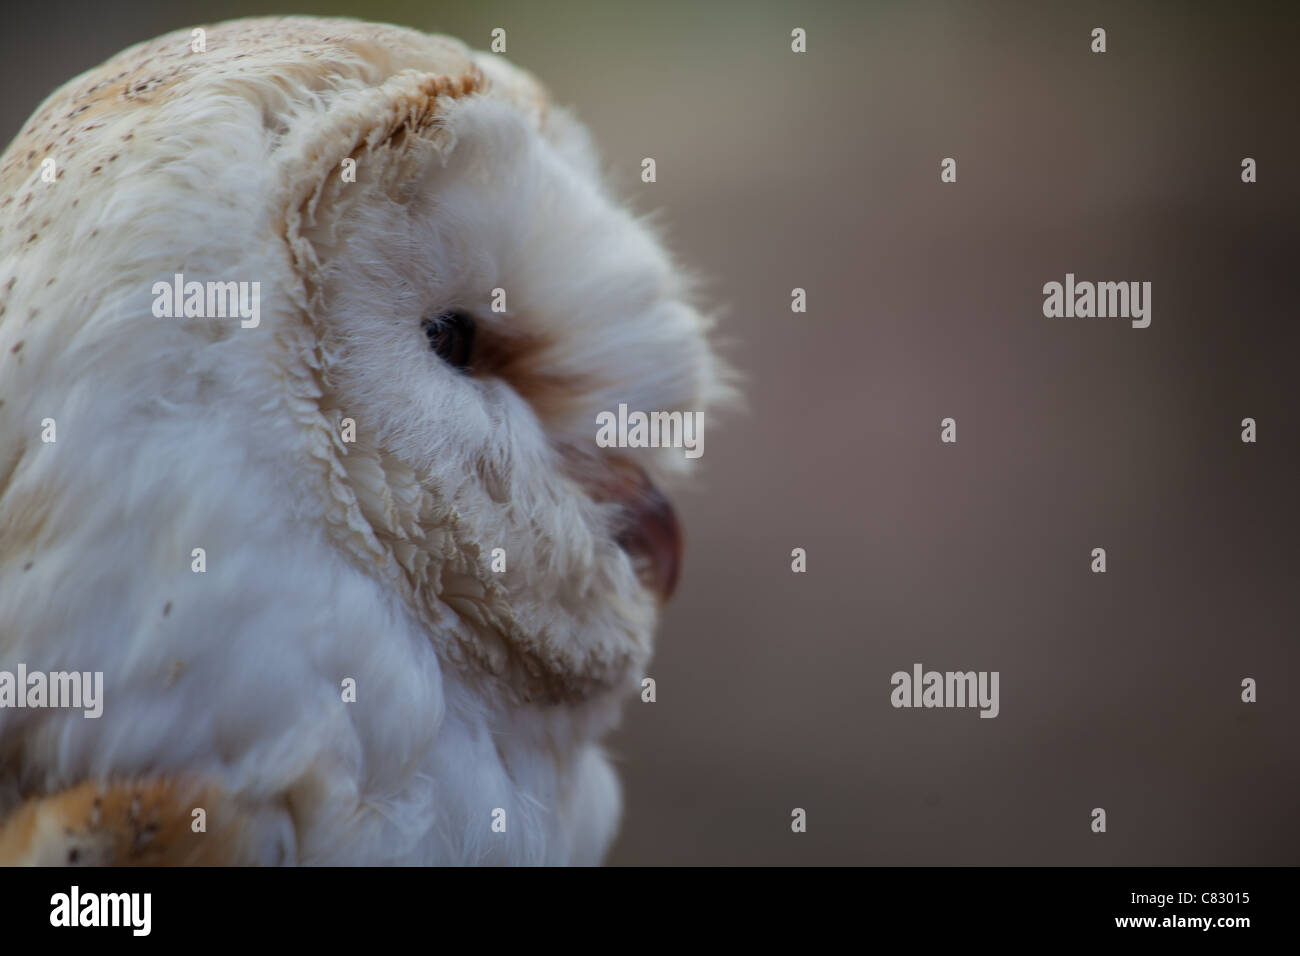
{"x":395,"y":430}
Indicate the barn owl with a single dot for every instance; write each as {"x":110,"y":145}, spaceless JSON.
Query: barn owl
{"x":305,"y":326}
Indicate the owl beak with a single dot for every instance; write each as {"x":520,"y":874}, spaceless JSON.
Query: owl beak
{"x":647,"y":530}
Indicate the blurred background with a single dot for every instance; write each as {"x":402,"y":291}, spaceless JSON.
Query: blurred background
{"x":821,"y":170}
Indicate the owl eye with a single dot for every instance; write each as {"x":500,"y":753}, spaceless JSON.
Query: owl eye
{"x":451,"y":335}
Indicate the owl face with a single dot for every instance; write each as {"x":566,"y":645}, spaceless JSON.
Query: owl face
{"x":477,"y":318}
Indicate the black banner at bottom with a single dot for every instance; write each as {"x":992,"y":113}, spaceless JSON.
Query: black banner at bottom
{"x":337,"y":906}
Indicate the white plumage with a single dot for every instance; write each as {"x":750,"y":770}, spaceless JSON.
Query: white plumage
{"x":476,"y":690}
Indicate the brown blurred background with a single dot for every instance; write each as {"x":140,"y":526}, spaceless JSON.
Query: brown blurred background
{"x":821,"y":170}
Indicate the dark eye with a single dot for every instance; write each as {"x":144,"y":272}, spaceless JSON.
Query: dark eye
{"x":451,"y":335}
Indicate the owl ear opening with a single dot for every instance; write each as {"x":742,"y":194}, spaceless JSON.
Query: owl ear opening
{"x":364,"y":143}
